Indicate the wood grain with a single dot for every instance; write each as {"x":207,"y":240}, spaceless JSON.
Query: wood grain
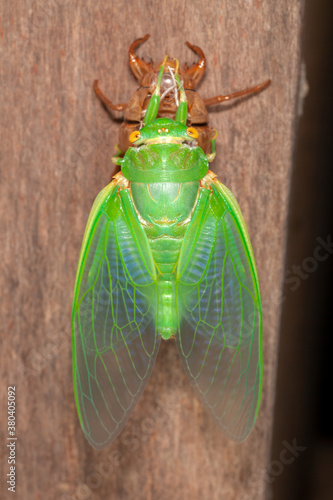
{"x":57,"y":141}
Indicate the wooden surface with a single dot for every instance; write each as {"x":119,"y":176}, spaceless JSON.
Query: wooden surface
{"x":57,"y":141}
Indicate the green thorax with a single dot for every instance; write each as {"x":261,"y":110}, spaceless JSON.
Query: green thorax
{"x":165,"y":210}
{"x":164,"y":207}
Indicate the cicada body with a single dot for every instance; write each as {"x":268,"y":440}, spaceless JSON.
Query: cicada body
{"x":166,"y":254}
{"x":190,"y":76}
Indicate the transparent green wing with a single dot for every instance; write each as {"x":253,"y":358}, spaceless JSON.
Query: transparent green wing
{"x":114,"y":316}
{"x":219,"y":312}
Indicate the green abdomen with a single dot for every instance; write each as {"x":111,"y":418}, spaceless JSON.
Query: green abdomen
{"x":165,"y":210}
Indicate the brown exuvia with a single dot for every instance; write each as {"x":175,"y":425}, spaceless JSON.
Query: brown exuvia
{"x":146,"y":73}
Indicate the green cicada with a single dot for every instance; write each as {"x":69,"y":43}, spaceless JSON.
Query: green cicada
{"x":166,"y":254}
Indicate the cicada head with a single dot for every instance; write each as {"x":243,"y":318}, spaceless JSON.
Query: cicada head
{"x":164,"y":131}
{"x":164,"y":151}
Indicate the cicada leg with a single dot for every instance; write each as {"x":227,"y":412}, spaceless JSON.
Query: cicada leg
{"x":221,"y":98}
{"x":196,"y":71}
{"x":116,"y":159}
{"x":106,"y":101}
{"x":181,"y":114}
{"x":211,"y":156}
{"x":152,"y":109}
{"x":138,"y":66}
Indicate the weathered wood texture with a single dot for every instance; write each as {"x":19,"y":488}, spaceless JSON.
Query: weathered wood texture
{"x":57,"y":141}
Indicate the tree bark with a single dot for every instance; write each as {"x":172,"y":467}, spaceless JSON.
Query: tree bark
{"x":57,"y":141}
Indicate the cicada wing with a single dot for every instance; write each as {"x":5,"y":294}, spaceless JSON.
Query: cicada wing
{"x":219,"y":310}
{"x":114,"y":319}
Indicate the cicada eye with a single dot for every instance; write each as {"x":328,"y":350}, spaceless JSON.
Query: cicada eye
{"x":192,"y":132}
{"x":134,"y":136}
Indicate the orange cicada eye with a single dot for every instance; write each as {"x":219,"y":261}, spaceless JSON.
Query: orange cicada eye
{"x":192,"y":132}
{"x":134,"y":136}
